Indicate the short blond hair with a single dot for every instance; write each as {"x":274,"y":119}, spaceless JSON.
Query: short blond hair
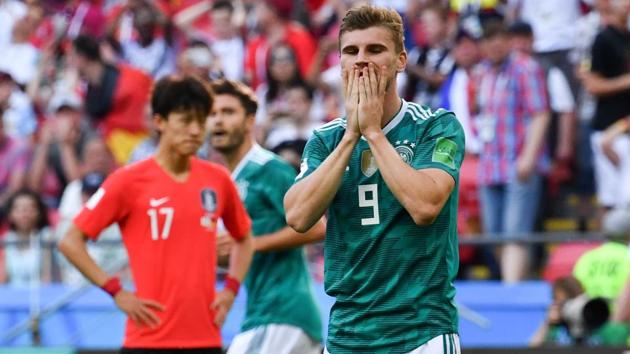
{"x":366,"y":16}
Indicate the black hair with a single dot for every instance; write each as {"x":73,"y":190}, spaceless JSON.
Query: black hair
{"x":308,"y":90}
{"x":88,"y":47}
{"x":42,"y":210}
{"x":239,"y":90}
{"x":222,"y":5}
{"x":494,"y":28}
{"x":180,"y":93}
{"x":273,"y":85}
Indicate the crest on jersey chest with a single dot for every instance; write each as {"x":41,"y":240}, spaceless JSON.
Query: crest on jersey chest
{"x":209,"y":200}
{"x":404,"y":148}
{"x":209,"y":203}
{"x":368,"y":163}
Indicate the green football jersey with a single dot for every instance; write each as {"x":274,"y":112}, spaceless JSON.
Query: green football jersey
{"x":278,"y":283}
{"x":392,"y":280}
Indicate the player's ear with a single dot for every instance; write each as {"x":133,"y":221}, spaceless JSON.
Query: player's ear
{"x":401,"y":61}
{"x":250,"y":121}
{"x":159,"y":122}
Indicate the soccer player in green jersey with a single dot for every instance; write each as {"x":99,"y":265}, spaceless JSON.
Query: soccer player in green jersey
{"x":281,"y":315}
{"x":387,"y":173}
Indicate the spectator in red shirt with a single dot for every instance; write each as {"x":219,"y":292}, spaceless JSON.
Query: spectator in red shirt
{"x":274,"y":22}
{"x":167,"y":207}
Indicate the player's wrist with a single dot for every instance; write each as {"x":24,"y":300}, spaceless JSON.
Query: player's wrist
{"x":351,"y":137}
{"x":112,"y":286}
{"x":373,"y":134}
{"x":232,"y":284}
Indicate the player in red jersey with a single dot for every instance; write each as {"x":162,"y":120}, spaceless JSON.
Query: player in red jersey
{"x":167,"y":208}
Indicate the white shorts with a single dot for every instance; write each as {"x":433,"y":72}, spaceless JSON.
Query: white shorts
{"x":274,"y":339}
{"x":611,"y":181}
{"x":442,"y":344}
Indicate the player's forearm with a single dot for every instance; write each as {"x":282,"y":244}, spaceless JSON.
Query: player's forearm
{"x":241,"y":257}
{"x":307,"y":200}
{"x":622,"y":310}
{"x":287,"y":238}
{"x":566,"y":135}
{"x":535,"y":136}
{"x":38,"y":167}
{"x":70,"y":162}
{"x":419,"y":192}
{"x":74,"y":248}
{"x":186,"y":17}
{"x":599,"y":86}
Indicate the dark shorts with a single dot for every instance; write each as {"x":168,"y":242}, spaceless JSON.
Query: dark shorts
{"x":171,"y":351}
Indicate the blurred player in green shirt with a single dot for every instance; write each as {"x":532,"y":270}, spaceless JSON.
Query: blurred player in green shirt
{"x":281,"y":314}
{"x":387,"y":174}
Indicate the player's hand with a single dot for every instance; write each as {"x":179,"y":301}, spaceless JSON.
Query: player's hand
{"x":141,"y":311}
{"x":371,"y":96}
{"x":351,"y":97}
{"x":222,"y":305}
{"x":608,"y":150}
{"x":524,"y":168}
{"x":224,"y":248}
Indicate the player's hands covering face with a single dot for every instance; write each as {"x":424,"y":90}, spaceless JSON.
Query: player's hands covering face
{"x":141,"y":311}
{"x":351,"y":96}
{"x":372,"y":84}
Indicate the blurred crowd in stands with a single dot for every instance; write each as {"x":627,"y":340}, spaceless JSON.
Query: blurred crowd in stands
{"x":542,"y":90}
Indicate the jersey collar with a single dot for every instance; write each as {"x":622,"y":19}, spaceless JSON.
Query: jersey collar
{"x":396,"y":120}
{"x":245,"y":160}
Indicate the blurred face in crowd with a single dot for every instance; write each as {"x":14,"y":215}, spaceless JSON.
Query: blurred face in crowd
{"x":97,"y":157}
{"x":496,"y":48}
{"x":24,"y":213}
{"x":522,"y":43}
{"x":282,"y":65}
{"x":229,"y":124}
{"x":434,"y":27}
{"x":144,"y":22}
{"x":182,"y":131}
{"x":298,"y":103}
{"x":621,"y":8}
{"x":222,"y":23}
{"x":372,"y":45}
{"x":264,"y":15}
{"x":466,"y":53}
{"x":291,"y":156}
{"x":79,"y":62}
{"x":6,"y":88}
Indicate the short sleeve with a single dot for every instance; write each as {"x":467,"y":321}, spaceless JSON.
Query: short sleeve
{"x":599,"y":51}
{"x":235,"y":217}
{"x":442,"y":145}
{"x":106,"y":206}
{"x":560,"y":96}
{"x":314,"y":154}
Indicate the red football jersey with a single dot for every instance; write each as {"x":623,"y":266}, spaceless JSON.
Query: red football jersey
{"x":169,"y":230}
